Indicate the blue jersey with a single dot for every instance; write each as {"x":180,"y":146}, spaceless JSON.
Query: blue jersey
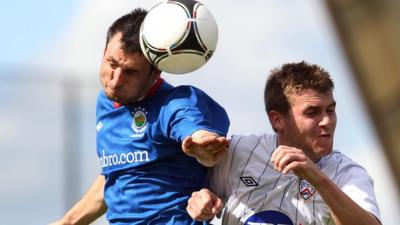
{"x":148,"y":177}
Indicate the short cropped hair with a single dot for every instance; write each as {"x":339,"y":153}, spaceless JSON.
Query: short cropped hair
{"x":294,"y":78}
{"x":129,"y":26}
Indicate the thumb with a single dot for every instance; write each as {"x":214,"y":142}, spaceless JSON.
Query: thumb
{"x":218,"y":205}
{"x":186,"y":143}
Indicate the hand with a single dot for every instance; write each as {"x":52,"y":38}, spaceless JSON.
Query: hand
{"x":207,"y":147}
{"x":61,"y":222}
{"x":204,"y":205}
{"x":288,"y":159}
{"x":343,"y":209}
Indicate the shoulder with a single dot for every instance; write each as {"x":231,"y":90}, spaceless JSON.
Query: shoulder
{"x":103,"y":101}
{"x":267,"y":140}
{"x":243,"y":144}
{"x":186,"y":96}
{"x":342,"y":161}
{"x":343,"y":169}
{"x":187,"y":92}
{"x":354,"y":180}
{"x":177,"y":97}
{"x":101,"y":96}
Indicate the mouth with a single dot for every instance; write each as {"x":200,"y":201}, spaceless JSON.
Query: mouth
{"x":325,"y":136}
{"x":115,"y":95}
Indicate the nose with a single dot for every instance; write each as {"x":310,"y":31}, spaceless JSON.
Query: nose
{"x":327,"y":119}
{"x":116,"y":78}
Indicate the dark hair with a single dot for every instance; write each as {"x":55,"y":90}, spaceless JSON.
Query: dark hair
{"x":294,"y":78}
{"x":129,"y":26}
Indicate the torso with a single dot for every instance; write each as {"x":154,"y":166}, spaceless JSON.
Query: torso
{"x":256,"y":193}
{"x":148,"y":178}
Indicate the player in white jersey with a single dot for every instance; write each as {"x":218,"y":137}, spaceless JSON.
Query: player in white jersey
{"x":293,"y":177}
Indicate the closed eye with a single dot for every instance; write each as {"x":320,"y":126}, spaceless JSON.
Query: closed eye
{"x":312,"y":111}
{"x":131,"y":72}
{"x":113,"y":64}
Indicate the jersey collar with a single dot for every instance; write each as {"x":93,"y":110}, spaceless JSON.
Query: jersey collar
{"x":151,"y":92}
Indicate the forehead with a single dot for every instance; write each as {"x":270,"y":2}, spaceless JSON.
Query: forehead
{"x":311,"y":97}
{"x":115,"y":52}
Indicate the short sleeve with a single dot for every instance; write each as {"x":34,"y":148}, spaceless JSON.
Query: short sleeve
{"x":190,"y":109}
{"x":358,"y":185}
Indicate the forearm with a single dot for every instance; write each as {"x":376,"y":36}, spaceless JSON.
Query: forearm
{"x":90,"y":207}
{"x":344,"y":210}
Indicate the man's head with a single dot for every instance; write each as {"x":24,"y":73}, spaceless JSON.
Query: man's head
{"x":301,"y":108}
{"x":125,"y":73}
{"x":129,"y":27}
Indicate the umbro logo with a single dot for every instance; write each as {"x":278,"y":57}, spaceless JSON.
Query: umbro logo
{"x":249,"y":181}
{"x":99,"y":126}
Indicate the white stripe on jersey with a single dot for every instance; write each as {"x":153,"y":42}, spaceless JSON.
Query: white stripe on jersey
{"x":251,"y":187}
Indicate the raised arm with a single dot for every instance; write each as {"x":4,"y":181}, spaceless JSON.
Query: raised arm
{"x":89,"y":208}
{"x":344,"y":210}
{"x":207,"y":147}
{"x":204,"y":205}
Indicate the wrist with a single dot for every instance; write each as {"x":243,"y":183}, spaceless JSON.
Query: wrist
{"x":320,"y":180}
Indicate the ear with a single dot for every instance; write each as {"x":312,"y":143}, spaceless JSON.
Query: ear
{"x":156,"y":73}
{"x":276,"y":120}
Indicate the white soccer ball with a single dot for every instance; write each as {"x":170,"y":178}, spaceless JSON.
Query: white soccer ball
{"x":178,"y":36}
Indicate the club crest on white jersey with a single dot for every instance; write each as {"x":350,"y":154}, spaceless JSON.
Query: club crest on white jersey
{"x":306,"y":190}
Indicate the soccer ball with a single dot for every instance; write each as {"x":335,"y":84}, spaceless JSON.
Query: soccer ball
{"x":178,"y":36}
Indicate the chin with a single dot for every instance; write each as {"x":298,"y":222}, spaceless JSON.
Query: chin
{"x":324,"y":150}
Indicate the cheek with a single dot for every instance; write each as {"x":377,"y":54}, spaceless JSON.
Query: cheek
{"x":105,"y":74}
{"x":306,"y":126}
{"x":334,"y":119}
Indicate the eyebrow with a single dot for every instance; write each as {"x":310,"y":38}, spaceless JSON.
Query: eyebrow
{"x":313,"y":107}
{"x":333,"y":104}
{"x":111,"y":58}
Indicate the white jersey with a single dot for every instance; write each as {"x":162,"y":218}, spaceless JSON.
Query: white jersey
{"x":255,"y":193}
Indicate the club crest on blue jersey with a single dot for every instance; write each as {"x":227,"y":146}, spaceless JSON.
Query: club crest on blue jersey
{"x":139,"y":121}
{"x":269,"y":217}
{"x":306,"y":190}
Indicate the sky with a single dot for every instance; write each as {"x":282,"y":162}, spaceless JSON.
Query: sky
{"x":47,"y":44}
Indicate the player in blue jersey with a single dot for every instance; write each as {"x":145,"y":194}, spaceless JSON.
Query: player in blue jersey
{"x":143,"y":126}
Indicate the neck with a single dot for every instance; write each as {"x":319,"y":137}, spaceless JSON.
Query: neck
{"x":156,"y":85}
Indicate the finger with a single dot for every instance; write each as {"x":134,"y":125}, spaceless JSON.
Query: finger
{"x":220,"y":143}
{"x":199,"y":206}
{"x":218,"y":205}
{"x":187,"y":146}
{"x":206,"y":140}
{"x":220,"y":155}
{"x":277,"y":155}
{"x":214,"y":147}
{"x":210,"y":151}
{"x":197,"y":214}
{"x":187,"y":142}
{"x":291,"y":167}
{"x":289,"y":158}
{"x":191,"y":211}
{"x":280,"y":153}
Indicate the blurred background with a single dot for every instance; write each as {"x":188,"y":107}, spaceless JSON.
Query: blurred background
{"x":51,"y":51}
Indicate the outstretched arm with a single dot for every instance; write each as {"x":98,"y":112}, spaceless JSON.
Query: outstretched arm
{"x":344,"y":210}
{"x":204,"y":205}
{"x":89,"y":208}
{"x":207,"y":147}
